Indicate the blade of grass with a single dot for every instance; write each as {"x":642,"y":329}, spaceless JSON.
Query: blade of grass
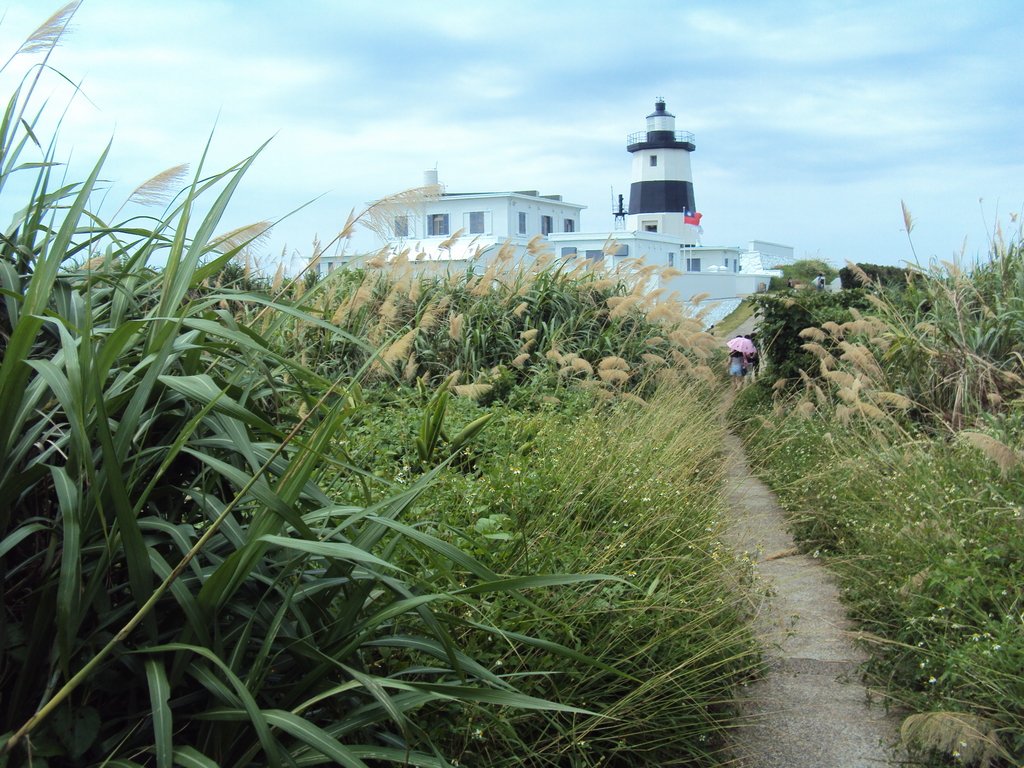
{"x":159,"y":694}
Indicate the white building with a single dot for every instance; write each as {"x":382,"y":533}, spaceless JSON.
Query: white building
{"x":662,"y":225}
{"x":466,"y":225}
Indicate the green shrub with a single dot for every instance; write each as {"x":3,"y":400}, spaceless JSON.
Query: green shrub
{"x":802,"y":273}
{"x":889,"y":277}
{"x":784,"y":316}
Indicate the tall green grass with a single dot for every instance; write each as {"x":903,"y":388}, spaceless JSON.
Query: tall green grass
{"x":900,"y":458}
{"x":627,"y":490}
{"x":178,"y":586}
{"x":208,"y":559}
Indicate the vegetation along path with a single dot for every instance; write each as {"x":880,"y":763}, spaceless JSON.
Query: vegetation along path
{"x":810,"y":709}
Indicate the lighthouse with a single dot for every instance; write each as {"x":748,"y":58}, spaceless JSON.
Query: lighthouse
{"x":661,"y":189}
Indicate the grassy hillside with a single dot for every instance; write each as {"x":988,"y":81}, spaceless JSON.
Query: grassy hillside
{"x":383,"y":518}
{"x":897,"y":447}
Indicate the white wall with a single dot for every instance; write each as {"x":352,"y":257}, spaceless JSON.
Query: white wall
{"x":772,"y":254}
{"x":717,"y":285}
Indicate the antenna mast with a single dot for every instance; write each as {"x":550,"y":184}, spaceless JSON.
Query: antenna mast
{"x":619,"y":213}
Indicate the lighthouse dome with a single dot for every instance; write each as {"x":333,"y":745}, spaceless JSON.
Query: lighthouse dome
{"x":661,"y":119}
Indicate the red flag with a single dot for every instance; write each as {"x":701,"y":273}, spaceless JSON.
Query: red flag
{"x":692,"y":218}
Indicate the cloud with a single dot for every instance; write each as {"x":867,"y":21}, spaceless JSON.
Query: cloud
{"x":812,"y":119}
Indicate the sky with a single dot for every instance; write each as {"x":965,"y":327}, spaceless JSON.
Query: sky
{"x":812,"y":120}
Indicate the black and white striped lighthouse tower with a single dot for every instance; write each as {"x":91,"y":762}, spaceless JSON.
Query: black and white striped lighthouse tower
{"x":661,"y":191}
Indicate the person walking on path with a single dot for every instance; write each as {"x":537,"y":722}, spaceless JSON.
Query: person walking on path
{"x":740,"y":348}
{"x":737,"y":370}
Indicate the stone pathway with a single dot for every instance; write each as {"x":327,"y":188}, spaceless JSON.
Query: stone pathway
{"x":810,"y":710}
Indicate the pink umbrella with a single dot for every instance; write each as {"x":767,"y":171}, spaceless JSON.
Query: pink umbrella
{"x":741,"y":344}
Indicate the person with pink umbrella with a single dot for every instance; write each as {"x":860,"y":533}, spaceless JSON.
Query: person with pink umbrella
{"x":741,"y":349}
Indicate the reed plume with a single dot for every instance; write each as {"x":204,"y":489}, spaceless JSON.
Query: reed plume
{"x":472,"y":391}
{"x":1002,"y":455}
{"x":380,"y":216}
{"x":663,"y":311}
{"x":48,"y":34}
{"x":579,"y":364}
{"x":834,"y":329}
{"x":160,"y":189}
{"x":971,"y":739}
{"x":870,"y":411}
{"x":613,"y":376}
{"x":806,"y":409}
{"x":893,"y":400}
{"x":861,"y":358}
{"x":814,"y":334}
{"x":612,"y":362}
{"x":399,"y":350}
{"x":411,"y":368}
{"x":455,"y":327}
{"x":430,"y":317}
{"x":242,"y":237}
{"x":841,"y":378}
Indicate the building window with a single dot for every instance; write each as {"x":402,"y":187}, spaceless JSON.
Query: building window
{"x":654,"y":161}
{"x":693,"y":265}
{"x":522,"y":222}
{"x":725,"y":262}
{"x":597,"y":255}
{"x":437,"y":225}
{"x":671,"y":259}
{"x":569,"y":225}
{"x":476,"y":222}
{"x":650,"y":226}
{"x":401,"y":226}
{"x":546,"y":225}
{"x":568,"y":252}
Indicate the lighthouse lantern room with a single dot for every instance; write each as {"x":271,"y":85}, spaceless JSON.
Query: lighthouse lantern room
{"x":661,"y":190}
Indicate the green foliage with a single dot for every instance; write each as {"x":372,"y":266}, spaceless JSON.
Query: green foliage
{"x":182,"y":581}
{"x":957,"y":339}
{"x":629,"y":491}
{"x":241,"y":527}
{"x":784,"y":316}
{"x":919,"y":509}
{"x":802,"y":273}
{"x":893,"y":278}
{"x":926,"y":539}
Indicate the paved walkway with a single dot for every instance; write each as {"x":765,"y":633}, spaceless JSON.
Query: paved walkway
{"x":810,"y":710}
